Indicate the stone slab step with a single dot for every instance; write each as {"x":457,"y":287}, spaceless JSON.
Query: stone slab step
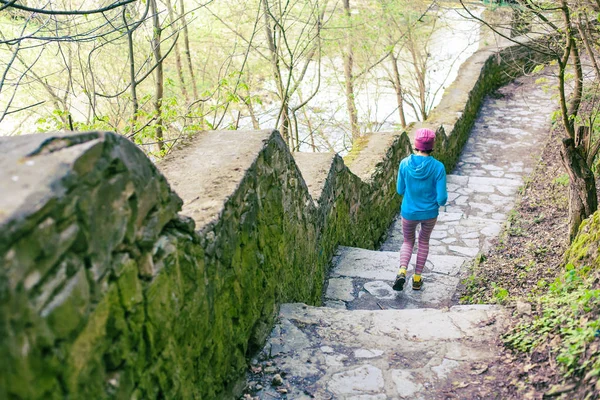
{"x":393,"y":354}
{"x":454,"y":234}
{"x":360,"y":294}
{"x":482,"y":197}
{"x":363,"y":279}
{"x":482,"y":182}
{"x":383,"y":265}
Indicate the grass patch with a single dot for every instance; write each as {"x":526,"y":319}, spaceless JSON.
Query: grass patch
{"x":567,"y":324}
{"x":561,"y":180}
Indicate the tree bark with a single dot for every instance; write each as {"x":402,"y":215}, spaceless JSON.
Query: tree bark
{"x":284,"y":110}
{"x":159,"y":86}
{"x":582,"y":188}
{"x":348,"y":66}
{"x":178,"y":63}
{"x":569,"y":111}
{"x":398,"y":88}
{"x":248,"y":103}
{"x":584,"y":29}
{"x":420,"y":69}
{"x":285,"y":124}
{"x":133,"y":84}
{"x":186,"y":49}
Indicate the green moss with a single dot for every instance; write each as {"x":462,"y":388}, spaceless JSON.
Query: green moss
{"x":585,"y":246}
{"x":130,"y":287}
{"x":66,"y":317}
{"x":161,"y":313}
{"x":85,"y":368}
{"x":357,"y":146}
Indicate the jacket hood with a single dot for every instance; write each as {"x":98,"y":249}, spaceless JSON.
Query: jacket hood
{"x":420,"y":167}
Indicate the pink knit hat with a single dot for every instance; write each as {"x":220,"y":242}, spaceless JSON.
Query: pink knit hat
{"x":424,"y":139}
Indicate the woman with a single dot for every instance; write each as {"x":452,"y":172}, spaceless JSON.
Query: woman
{"x":422,"y":182}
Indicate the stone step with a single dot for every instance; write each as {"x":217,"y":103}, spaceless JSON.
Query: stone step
{"x":383,"y":265}
{"x":454,"y":234}
{"x":363,"y":279}
{"x":481,"y":197}
{"x":482,"y":183}
{"x":338,"y":354}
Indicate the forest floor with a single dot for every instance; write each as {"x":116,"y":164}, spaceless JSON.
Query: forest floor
{"x":519,"y":269}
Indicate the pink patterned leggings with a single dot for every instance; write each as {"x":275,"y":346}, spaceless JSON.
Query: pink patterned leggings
{"x":408,"y":230}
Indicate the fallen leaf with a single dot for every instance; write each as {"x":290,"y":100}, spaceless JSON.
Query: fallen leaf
{"x":529,"y":396}
{"x":529,"y":367}
{"x":460,"y":385}
{"x":591,"y":374}
{"x":480,"y":370}
{"x":559,"y":389}
{"x":488,"y":322}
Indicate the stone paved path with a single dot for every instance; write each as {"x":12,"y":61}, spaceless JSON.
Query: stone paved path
{"x":372,"y":343}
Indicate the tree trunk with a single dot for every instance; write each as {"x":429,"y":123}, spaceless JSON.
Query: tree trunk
{"x":584,"y":30}
{"x":285,"y":125}
{"x":283,"y":95}
{"x":186,"y":49}
{"x":133,"y":84}
{"x":420,"y":68}
{"x":188,"y":58}
{"x":178,"y":63}
{"x":348,"y":76}
{"x":159,"y":86}
{"x":398,"y":88}
{"x":248,"y":103}
{"x":582,"y":189}
{"x":297,"y":133}
{"x":311,"y":131}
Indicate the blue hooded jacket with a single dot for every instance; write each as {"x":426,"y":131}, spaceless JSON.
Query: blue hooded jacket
{"x":422,"y":182}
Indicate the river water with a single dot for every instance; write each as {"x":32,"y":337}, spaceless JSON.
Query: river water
{"x":454,"y":40}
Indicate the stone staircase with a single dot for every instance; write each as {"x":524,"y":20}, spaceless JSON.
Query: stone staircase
{"x":369,"y":342}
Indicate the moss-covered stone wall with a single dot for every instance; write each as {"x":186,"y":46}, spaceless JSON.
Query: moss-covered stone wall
{"x":107,"y":291}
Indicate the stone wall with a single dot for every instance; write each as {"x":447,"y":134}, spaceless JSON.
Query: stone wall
{"x":80,"y":222}
{"x":106,"y":291}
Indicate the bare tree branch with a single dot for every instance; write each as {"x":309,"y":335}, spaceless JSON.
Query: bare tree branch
{"x":13,"y":4}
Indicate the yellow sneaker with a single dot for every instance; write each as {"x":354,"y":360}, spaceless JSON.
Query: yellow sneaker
{"x":417,"y":282}
{"x":400,"y":280}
